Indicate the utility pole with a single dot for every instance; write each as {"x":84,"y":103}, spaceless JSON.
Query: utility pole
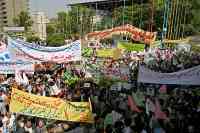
{"x":124,"y":12}
{"x":151,"y":21}
{"x":165,"y":22}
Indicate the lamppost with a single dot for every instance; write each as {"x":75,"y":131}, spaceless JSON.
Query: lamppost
{"x":124,"y":11}
{"x":165,"y":22}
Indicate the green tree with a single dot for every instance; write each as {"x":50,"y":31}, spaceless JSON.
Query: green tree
{"x":51,"y":29}
{"x":73,"y":21}
{"x":105,"y":82}
{"x":87,"y":16}
{"x":184,"y":16}
{"x":139,"y":14}
{"x":24,"y":20}
{"x":105,"y":23}
{"x":56,"y":39}
{"x":80,"y":20}
{"x":195,"y":11}
{"x":61,"y":22}
{"x":56,"y":30}
{"x":33,"y":39}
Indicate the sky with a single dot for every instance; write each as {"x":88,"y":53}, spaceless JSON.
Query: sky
{"x":50,"y":7}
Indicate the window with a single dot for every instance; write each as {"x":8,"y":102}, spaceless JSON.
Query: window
{"x":3,"y":8}
{"x":3,"y":3}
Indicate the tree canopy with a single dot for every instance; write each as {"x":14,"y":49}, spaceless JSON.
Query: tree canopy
{"x":183,"y":19}
{"x":23,"y":20}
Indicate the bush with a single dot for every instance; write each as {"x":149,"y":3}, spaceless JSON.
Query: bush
{"x":55,"y":40}
{"x":33,"y":39}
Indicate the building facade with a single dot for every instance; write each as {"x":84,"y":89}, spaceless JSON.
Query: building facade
{"x":10,"y":9}
{"x":106,"y":5}
{"x":102,"y":7}
{"x":40,"y":21}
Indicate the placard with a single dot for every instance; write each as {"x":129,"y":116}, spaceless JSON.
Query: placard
{"x":50,"y":108}
{"x":189,"y":76}
{"x":26,"y":53}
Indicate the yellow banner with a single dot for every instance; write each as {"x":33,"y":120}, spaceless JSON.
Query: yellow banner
{"x":109,"y":53}
{"x":50,"y":108}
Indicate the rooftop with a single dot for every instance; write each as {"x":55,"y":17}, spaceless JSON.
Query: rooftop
{"x":99,"y":4}
{"x":75,"y":2}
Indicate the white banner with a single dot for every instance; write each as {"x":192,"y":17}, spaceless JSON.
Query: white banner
{"x":2,"y":46}
{"x":186,"y":77}
{"x":5,"y":56}
{"x":10,"y":68}
{"x":41,"y":47}
{"x":23,"y":52}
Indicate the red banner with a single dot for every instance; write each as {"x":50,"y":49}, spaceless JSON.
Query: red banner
{"x":135,"y":33}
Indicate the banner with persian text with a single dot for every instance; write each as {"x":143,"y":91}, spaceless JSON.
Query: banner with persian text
{"x":189,"y":76}
{"x":11,"y":67}
{"x":114,"y":53}
{"x":113,"y":70}
{"x":130,"y":46}
{"x":40,"y":47}
{"x":134,"y":33}
{"x":5,"y":56}
{"x":51,"y":108}
{"x":20,"y":51}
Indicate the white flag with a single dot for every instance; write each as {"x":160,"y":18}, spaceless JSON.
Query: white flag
{"x":25,"y":79}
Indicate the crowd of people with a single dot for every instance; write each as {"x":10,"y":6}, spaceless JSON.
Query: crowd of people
{"x":181,"y":109}
{"x":174,"y":110}
{"x":112,"y":110}
{"x":168,"y":60}
{"x":49,"y":83}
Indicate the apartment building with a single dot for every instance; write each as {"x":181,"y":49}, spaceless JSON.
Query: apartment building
{"x":40,"y":21}
{"x":9,"y":9}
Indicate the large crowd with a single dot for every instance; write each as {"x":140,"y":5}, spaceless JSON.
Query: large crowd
{"x":111,"y":109}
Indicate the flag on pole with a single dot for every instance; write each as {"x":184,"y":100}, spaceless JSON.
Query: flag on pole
{"x":139,"y":98}
{"x":25,"y":78}
{"x":132,"y":104}
{"x":18,"y":78}
{"x":90,"y":104}
{"x":159,"y":114}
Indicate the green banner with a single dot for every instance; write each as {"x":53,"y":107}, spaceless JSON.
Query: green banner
{"x":87,"y":52}
{"x":109,"y":53}
{"x":69,"y":77}
{"x":130,"y":46}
